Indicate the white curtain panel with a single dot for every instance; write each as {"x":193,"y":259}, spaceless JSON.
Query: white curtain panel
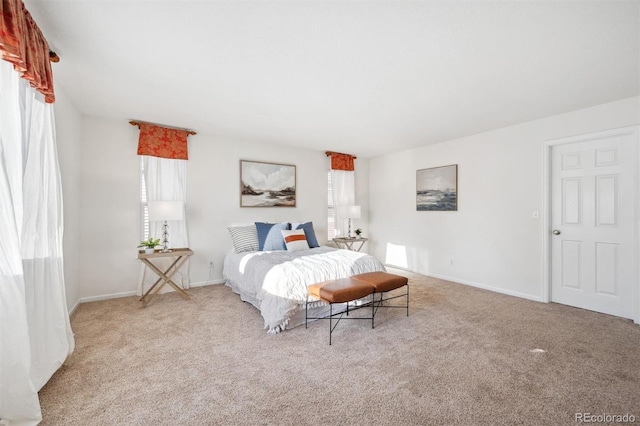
{"x":166,"y":180}
{"x":343,"y":189}
{"x":35,"y":332}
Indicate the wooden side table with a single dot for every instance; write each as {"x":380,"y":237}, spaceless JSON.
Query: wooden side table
{"x":348,"y":243}
{"x":181,"y":256}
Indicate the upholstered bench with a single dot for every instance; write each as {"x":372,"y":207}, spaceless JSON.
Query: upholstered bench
{"x":343,"y":290}
{"x":383,"y":282}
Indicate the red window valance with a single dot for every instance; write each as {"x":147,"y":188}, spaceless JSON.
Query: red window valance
{"x":23,"y":44}
{"x":164,"y":142}
{"x":341,"y":161}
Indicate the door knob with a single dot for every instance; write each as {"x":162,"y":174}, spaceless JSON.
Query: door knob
{"x":556,"y":232}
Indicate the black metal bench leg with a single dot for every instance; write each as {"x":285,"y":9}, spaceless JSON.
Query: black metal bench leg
{"x":373,"y":310}
{"x":330,"y":321}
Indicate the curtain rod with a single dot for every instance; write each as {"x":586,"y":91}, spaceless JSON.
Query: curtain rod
{"x":137,"y":123}
{"x":329,"y":153}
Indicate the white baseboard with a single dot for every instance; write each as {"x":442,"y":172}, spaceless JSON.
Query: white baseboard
{"x":74,"y":308}
{"x":209,"y":282}
{"x":488,"y":287}
{"x":475,"y":284}
{"x":133,"y":293}
{"x":106,"y":296}
{"x":401,"y":268}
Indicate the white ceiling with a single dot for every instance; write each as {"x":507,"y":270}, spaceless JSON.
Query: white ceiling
{"x":362,"y":77}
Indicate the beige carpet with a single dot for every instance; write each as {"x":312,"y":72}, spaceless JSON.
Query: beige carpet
{"x":463,"y":356}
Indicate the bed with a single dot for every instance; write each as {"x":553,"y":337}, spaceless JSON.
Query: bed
{"x":276,"y":281}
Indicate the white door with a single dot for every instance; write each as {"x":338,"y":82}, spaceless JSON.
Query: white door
{"x":592,"y":222}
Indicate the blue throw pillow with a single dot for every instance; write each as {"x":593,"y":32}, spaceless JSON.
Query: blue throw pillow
{"x":270,"y":235}
{"x":308,"y":231}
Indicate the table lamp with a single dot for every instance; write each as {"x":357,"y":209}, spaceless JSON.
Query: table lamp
{"x":165,"y":211}
{"x":353,"y":212}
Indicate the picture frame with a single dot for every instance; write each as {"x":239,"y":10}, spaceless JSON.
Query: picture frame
{"x":265,"y":184}
{"x":437,"y":188}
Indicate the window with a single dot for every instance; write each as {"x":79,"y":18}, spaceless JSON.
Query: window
{"x":144,"y":209}
{"x":162,"y":179}
{"x":331,"y":229}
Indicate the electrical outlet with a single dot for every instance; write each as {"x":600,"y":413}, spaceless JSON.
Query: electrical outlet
{"x":451,"y":262}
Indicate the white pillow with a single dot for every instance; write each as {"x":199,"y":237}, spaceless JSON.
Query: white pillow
{"x":295,"y":240}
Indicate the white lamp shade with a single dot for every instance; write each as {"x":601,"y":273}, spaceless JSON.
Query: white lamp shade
{"x":353,"y":212}
{"x":166,"y":210}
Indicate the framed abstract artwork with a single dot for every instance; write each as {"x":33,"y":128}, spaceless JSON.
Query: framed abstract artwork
{"x":267,"y":184}
{"x":437,"y":189}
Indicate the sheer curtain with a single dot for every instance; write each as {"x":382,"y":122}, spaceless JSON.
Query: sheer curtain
{"x":166,"y":180}
{"x":35,"y":332}
{"x":343,"y":190}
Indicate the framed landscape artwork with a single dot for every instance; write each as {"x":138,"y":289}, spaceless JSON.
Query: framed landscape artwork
{"x":267,"y":184}
{"x":437,"y":189}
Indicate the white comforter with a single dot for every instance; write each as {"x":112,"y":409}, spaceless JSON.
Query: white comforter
{"x":278,"y":280}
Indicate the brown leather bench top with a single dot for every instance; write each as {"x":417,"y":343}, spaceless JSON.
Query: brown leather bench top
{"x":340,"y":290}
{"x":382,"y":281}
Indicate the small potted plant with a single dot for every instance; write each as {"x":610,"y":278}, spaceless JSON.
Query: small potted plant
{"x":149,"y":245}
{"x":358,"y":233}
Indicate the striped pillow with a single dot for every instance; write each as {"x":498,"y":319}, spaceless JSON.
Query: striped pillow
{"x":245,"y":238}
{"x":295,"y":240}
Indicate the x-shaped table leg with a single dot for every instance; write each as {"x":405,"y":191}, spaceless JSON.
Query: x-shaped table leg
{"x":165,"y":278}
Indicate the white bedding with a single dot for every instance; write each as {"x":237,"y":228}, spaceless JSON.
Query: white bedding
{"x":276,"y":281}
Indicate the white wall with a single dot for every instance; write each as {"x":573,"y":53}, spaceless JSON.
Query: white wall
{"x":109,"y":215}
{"x":68,"y":138}
{"x":362,"y":199}
{"x":110,"y":201}
{"x":492,"y":239}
